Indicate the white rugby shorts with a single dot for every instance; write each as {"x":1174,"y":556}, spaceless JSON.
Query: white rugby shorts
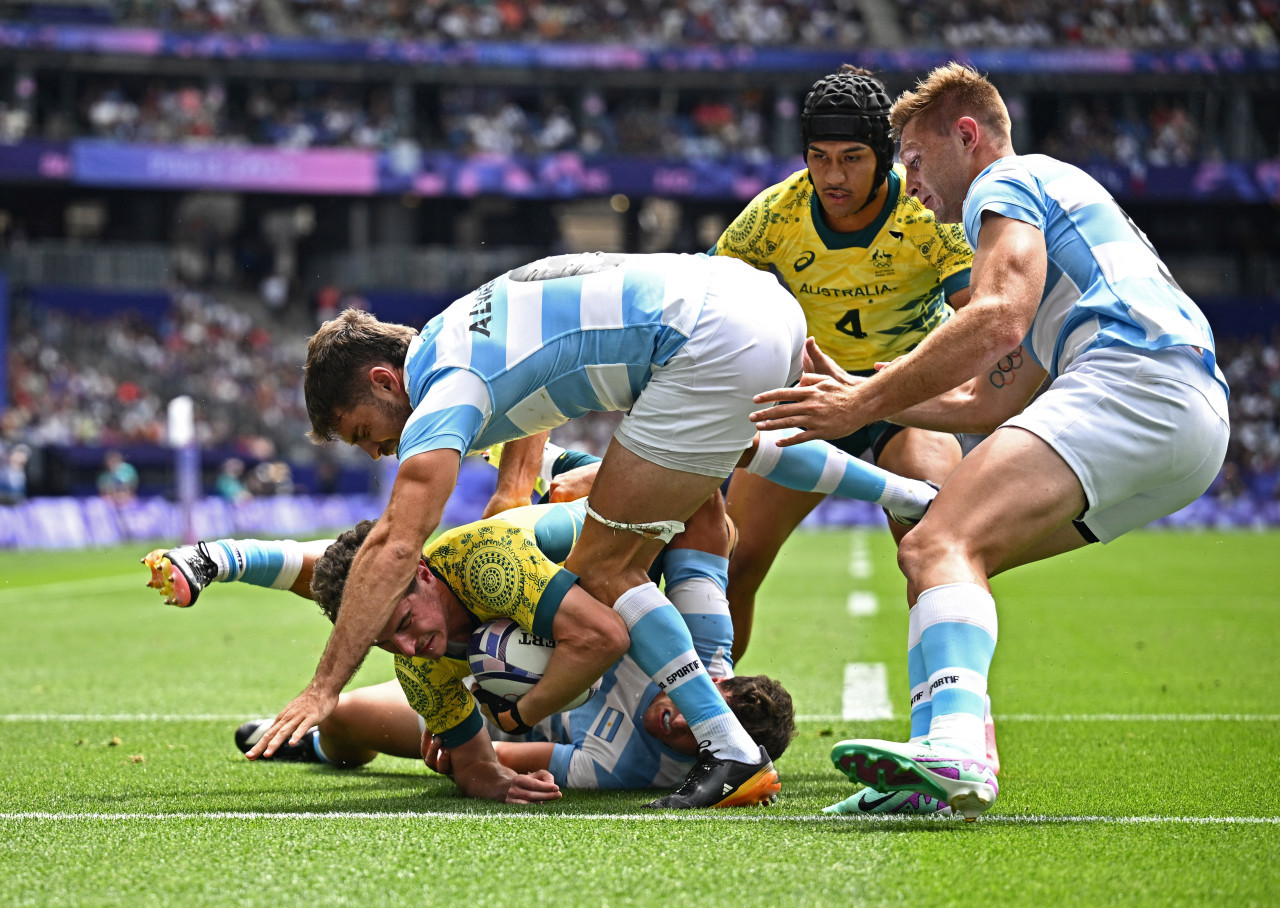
{"x":692,"y":415}
{"x":1145,"y":432}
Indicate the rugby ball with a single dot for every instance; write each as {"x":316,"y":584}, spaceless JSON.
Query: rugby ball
{"x":507,"y":660}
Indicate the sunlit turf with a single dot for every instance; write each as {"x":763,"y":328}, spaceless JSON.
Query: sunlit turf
{"x":1133,"y":687}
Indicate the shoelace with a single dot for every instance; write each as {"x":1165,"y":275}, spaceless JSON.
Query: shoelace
{"x":205,"y":564}
{"x":707,"y":762}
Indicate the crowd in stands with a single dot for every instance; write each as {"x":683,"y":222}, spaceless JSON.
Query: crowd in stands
{"x":825,"y":23}
{"x":701,"y":125}
{"x":1164,"y":134}
{"x":107,"y":384}
{"x":811,"y":23}
{"x":1252,"y":470}
{"x":1130,"y":24}
{"x":461,"y":120}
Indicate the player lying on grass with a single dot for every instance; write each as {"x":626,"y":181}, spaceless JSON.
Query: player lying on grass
{"x":629,"y":735}
{"x":679,"y":343}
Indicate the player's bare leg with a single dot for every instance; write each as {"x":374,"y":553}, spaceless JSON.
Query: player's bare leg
{"x":919,"y":454}
{"x":635,"y":496}
{"x":766,"y":515}
{"x":1010,"y":494}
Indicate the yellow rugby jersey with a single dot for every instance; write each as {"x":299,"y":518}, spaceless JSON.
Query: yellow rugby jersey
{"x":868,"y":296}
{"x":504,"y":567}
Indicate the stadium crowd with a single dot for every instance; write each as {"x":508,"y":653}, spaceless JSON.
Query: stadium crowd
{"x":462,"y":120}
{"x":1133,"y":24}
{"x":472,"y":120}
{"x":984,"y":23}
{"x":106,"y":383}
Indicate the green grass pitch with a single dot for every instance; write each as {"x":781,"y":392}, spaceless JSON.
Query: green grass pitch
{"x":1135,"y":691}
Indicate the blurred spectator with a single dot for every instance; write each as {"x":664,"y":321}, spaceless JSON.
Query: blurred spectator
{"x":229,"y":485}
{"x":13,"y":474}
{"x":118,"y":481}
{"x":1091,"y":23}
{"x":271,"y":478}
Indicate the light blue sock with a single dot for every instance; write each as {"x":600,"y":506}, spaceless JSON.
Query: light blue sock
{"x":958,"y":632}
{"x":816,"y":466}
{"x":270,"y":563}
{"x":695,"y":583}
{"x":917,"y":680}
{"x":662,"y":647}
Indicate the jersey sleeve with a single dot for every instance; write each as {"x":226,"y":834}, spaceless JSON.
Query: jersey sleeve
{"x":435,"y":690}
{"x":1009,"y":191}
{"x":749,"y":237}
{"x":942,"y":245}
{"x":451,"y":414}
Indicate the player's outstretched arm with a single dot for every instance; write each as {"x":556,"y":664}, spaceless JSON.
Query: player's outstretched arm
{"x":380,"y":574}
{"x":981,"y":404}
{"x":480,"y":774}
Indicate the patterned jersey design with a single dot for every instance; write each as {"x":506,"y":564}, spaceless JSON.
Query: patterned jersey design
{"x":496,"y":569}
{"x":868,"y":296}
{"x":1105,"y":285}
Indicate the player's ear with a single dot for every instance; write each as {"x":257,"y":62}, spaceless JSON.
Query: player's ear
{"x":384,"y":378}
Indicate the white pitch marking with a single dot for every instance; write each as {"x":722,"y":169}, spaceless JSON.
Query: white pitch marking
{"x":1101,"y":717}
{"x":866,"y":692}
{"x":862,"y":604}
{"x":814,"y":717}
{"x":123,"y":717}
{"x":859,"y":556}
{"x":720,"y":816}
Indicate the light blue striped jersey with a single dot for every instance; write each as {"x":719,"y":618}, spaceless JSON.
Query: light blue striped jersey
{"x":1106,"y":284}
{"x":529,"y":350}
{"x":602,"y":743}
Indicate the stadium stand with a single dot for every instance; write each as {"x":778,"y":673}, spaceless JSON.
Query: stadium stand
{"x":187,"y":186}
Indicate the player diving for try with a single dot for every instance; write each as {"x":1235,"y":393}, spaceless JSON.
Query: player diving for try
{"x":630,"y":735}
{"x":681,"y":343}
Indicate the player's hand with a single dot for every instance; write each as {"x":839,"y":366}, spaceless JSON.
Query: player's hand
{"x":436,"y":755}
{"x":503,"y":501}
{"x":533,"y":788}
{"x":307,"y":709}
{"x":574,"y":484}
{"x":823,"y":405}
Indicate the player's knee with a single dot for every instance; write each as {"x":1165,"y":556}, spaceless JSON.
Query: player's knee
{"x":609,"y":636}
{"x":917,"y":551}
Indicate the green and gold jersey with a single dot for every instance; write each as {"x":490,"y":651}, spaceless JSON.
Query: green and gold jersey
{"x":868,"y":296}
{"x":503,"y":567}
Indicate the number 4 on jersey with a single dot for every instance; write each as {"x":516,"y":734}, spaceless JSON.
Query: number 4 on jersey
{"x":851,"y":324}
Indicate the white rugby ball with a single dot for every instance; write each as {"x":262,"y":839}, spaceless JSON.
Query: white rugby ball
{"x":507,"y":660}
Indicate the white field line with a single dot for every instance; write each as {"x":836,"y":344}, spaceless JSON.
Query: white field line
{"x":866,"y":692}
{"x":1098,"y":717}
{"x":862,"y":604}
{"x":702,"y":817}
{"x":860,"y":557}
{"x":815,"y":717}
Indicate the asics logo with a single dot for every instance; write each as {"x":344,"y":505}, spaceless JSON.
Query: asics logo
{"x":804,"y":261}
